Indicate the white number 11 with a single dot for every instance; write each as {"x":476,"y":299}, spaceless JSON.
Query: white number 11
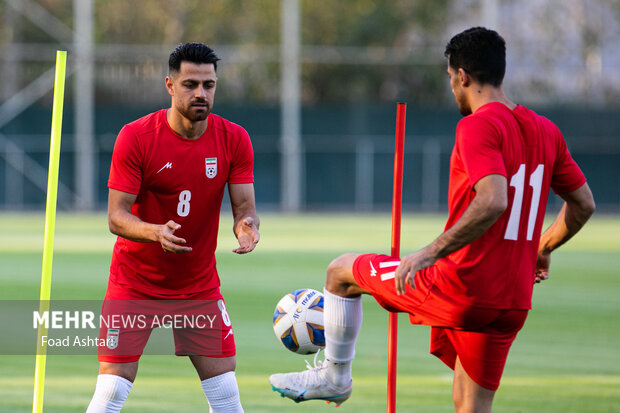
{"x":518,"y":182}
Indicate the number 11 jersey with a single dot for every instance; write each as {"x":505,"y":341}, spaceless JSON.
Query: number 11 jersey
{"x":497,"y":269}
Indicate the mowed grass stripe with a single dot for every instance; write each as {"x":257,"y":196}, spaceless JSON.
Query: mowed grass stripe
{"x":279,"y":232}
{"x":416,"y":393}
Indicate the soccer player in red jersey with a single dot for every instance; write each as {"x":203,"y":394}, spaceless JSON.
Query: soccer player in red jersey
{"x":473,"y":284}
{"x":167,"y":179}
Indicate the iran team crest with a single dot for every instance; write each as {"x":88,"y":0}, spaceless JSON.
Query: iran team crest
{"x":112,"y":338}
{"x":211,"y":167}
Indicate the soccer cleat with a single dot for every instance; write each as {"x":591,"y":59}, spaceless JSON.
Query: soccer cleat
{"x":311,"y":384}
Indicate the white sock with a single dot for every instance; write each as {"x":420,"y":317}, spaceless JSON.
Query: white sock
{"x":222,"y":393}
{"x":342,"y":318}
{"x":110,"y":394}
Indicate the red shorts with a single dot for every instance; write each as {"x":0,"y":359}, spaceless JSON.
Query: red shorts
{"x":480,"y":337}
{"x":199,"y":322}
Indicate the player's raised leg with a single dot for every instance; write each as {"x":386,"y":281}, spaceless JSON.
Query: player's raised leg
{"x":219,"y":383}
{"x":331,"y":379}
{"x":113,"y":385}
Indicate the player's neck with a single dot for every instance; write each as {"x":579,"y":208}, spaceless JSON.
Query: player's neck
{"x":481,"y":95}
{"x":185,"y":127}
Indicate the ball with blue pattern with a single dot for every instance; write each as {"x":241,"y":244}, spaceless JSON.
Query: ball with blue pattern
{"x":298,"y":321}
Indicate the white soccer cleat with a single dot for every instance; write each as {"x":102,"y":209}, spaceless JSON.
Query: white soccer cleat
{"x":311,"y":384}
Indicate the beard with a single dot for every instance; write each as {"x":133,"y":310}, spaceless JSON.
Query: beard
{"x":463,"y":105}
{"x":465,"y":111}
{"x":195,"y":111}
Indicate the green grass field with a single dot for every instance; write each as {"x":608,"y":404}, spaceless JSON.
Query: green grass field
{"x":566,"y":359}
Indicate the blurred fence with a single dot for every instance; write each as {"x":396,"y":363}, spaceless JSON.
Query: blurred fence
{"x":310,"y":55}
{"x":347,"y":156}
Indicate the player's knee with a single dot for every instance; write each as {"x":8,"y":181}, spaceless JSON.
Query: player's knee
{"x":127,"y":371}
{"x":340,"y":275}
{"x":459,"y":405}
{"x":208,"y":367}
{"x":465,"y":406}
{"x":339,"y":270}
{"x":469,"y":397}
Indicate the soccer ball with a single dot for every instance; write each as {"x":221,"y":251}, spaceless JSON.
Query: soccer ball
{"x":298,"y":321}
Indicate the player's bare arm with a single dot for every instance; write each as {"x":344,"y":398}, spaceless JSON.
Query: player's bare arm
{"x":489,"y":204}
{"x":246,"y":222}
{"x":577,"y":209}
{"x":124,"y":224}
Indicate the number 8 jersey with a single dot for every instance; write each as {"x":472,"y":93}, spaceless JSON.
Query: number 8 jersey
{"x":497,"y":270}
{"x":176,"y":179}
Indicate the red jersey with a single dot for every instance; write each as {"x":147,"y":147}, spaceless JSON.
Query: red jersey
{"x":497,"y":270}
{"x":181,"y":180}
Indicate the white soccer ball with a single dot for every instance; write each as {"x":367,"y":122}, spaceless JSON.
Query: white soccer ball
{"x":298,"y":321}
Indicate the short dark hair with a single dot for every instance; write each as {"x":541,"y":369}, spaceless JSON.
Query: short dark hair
{"x":193,"y":52}
{"x":481,"y":53}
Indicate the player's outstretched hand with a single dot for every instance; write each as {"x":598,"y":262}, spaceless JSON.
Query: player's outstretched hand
{"x":247,"y":235}
{"x":542,"y":267}
{"x":168,"y":241}
{"x":409,"y":265}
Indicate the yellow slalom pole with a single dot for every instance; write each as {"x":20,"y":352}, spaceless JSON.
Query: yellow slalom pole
{"x":50,"y":223}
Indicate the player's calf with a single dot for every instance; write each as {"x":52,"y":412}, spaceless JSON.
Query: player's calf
{"x":222,"y":392}
{"x":110,"y":394}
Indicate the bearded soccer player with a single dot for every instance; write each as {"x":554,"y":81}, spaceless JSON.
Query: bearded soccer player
{"x":473,"y":284}
{"x":167,"y":179}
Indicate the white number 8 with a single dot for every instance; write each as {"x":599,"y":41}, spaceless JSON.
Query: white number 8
{"x":225,"y":317}
{"x":183,"y":206}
